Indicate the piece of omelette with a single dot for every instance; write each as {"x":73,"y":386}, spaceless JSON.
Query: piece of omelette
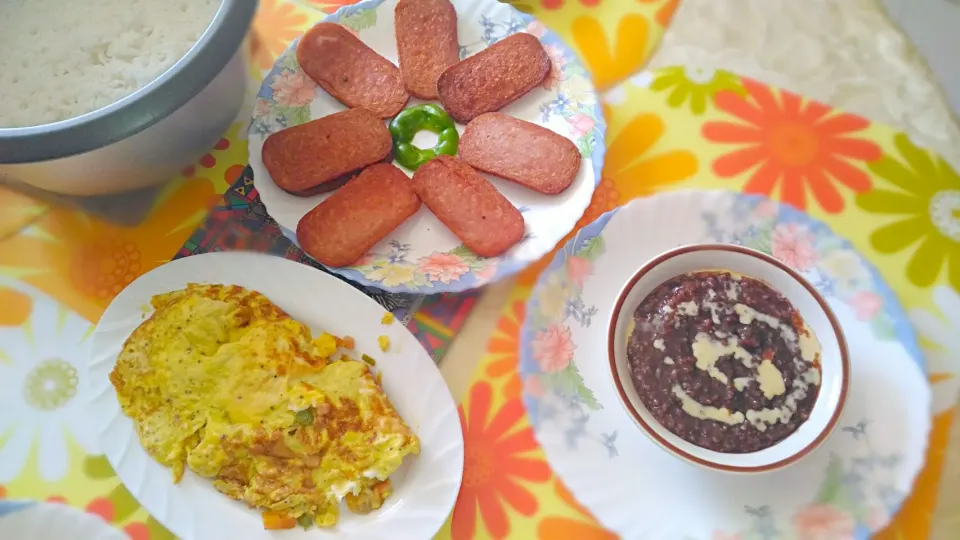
{"x":222,"y":381}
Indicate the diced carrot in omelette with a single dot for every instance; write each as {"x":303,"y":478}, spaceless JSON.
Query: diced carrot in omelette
{"x":223,"y":382}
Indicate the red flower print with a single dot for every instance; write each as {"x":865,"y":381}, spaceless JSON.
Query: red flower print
{"x":579,"y":269}
{"x":504,"y":347}
{"x":137,"y":531}
{"x":823,"y":522}
{"x":799,"y":145}
{"x":534,"y":387}
{"x":866,"y":304}
{"x":553,"y":348}
{"x":497,"y":458}
{"x":443,"y":267}
{"x":102,"y":507}
{"x":793,"y":245}
{"x":557,"y":61}
{"x":293,"y":88}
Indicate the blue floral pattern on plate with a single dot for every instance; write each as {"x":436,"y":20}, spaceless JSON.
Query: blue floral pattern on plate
{"x":847,"y":489}
{"x":421,"y":256}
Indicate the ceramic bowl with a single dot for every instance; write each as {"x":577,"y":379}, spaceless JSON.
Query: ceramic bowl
{"x":816,"y":313}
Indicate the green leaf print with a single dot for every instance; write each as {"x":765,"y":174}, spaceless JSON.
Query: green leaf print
{"x":124,"y":505}
{"x":882,"y":326}
{"x":289,"y":61}
{"x":360,"y":20}
{"x":97,"y":467}
{"x":569,"y":383}
{"x":464,"y":253}
{"x":833,"y":491}
{"x":295,"y":115}
{"x":832,"y":482}
{"x":592,"y":248}
{"x":158,"y":531}
{"x":762,"y":241}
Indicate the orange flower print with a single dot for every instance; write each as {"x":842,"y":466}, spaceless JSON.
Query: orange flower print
{"x":329,"y":6}
{"x":275,"y":26}
{"x":915,"y":518}
{"x":665,"y":11}
{"x":823,"y":522}
{"x":15,"y":307}
{"x":84,"y":262}
{"x":605,"y":198}
{"x":496,"y":461}
{"x":504,"y":347}
{"x":800,"y":146}
{"x":610,"y":66}
{"x":565,"y":528}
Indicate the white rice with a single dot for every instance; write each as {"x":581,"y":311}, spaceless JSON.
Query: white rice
{"x":63,"y":58}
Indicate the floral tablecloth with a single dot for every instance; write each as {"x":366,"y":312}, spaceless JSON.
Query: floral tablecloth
{"x":897,"y":203}
{"x":680,"y":128}
{"x":59,"y":267}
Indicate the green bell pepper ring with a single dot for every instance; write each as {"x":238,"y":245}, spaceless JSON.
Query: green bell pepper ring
{"x":410,"y":121}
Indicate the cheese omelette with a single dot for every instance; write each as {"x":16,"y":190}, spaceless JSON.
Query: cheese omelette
{"x":222,"y":381}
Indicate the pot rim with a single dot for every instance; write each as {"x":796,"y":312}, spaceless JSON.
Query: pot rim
{"x":144,"y":107}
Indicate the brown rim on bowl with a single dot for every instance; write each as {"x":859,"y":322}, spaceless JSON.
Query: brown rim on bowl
{"x":841,"y":341}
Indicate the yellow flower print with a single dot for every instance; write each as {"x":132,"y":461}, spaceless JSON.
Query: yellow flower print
{"x":628,"y":53}
{"x":392,"y":274}
{"x":696,"y":85}
{"x":925,"y":197}
{"x":17,"y":210}
{"x":553,"y":301}
{"x":275,"y":26}
{"x":84,"y":262}
{"x":665,"y":11}
{"x":631,"y":167}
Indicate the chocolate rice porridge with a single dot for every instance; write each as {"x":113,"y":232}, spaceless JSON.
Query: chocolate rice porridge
{"x":723,"y":361}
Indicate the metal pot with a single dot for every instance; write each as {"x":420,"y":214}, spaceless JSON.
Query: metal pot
{"x":148,"y":136}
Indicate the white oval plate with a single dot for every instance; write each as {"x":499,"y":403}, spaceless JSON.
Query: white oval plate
{"x":44,"y":521}
{"x":426,"y":486}
{"x":422,"y":255}
{"x":847,"y":488}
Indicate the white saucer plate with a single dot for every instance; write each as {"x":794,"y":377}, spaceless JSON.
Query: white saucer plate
{"x":422,"y":255}
{"x":426,"y":486}
{"x":847,"y":488}
{"x":30,"y":520}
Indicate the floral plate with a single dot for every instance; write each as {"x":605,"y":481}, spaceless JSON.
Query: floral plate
{"x":849,"y":487}
{"x":422,"y":255}
{"x":425,"y":486}
{"x":46,"y":521}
